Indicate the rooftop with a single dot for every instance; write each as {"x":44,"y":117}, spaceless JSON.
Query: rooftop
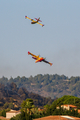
{"x":58,"y":118}
{"x":13,"y":111}
{"x":70,"y":106}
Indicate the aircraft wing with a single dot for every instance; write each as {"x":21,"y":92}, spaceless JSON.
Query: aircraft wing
{"x":29,"y":18}
{"x":40,"y":24}
{"x":33,"y":56}
{"x":47,"y":62}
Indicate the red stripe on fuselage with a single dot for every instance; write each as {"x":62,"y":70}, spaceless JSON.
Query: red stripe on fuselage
{"x":40,"y":59}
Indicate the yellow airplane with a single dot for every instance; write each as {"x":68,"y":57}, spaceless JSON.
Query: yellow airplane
{"x":38,"y":59}
{"x":35,"y":21}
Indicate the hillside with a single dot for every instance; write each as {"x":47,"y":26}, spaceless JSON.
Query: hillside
{"x":11,"y":97}
{"x":47,"y":85}
{"x":67,"y":99}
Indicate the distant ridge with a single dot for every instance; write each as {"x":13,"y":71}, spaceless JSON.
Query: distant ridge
{"x":54,"y":86}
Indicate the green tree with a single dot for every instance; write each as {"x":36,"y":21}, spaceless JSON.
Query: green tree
{"x":11,"y":106}
{"x":3,"y":113}
{"x":6,"y":105}
{"x":27,"y":105}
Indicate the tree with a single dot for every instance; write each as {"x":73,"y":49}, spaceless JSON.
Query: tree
{"x":3,"y":113}
{"x":11,"y":106}
{"x":6,"y":105}
{"x":27,"y":105}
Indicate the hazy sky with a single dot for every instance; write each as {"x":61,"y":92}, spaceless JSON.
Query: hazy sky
{"x":58,"y":40}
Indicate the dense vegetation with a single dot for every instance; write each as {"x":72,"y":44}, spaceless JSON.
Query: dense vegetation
{"x":67,"y":99}
{"x":11,"y":97}
{"x":48,"y":85}
{"x":29,"y":112}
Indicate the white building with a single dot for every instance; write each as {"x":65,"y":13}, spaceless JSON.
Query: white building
{"x":12,"y":113}
{"x":69,"y":107}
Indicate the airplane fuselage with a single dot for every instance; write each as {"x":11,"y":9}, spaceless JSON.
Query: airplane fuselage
{"x":34,"y":22}
{"x":39,"y":59}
